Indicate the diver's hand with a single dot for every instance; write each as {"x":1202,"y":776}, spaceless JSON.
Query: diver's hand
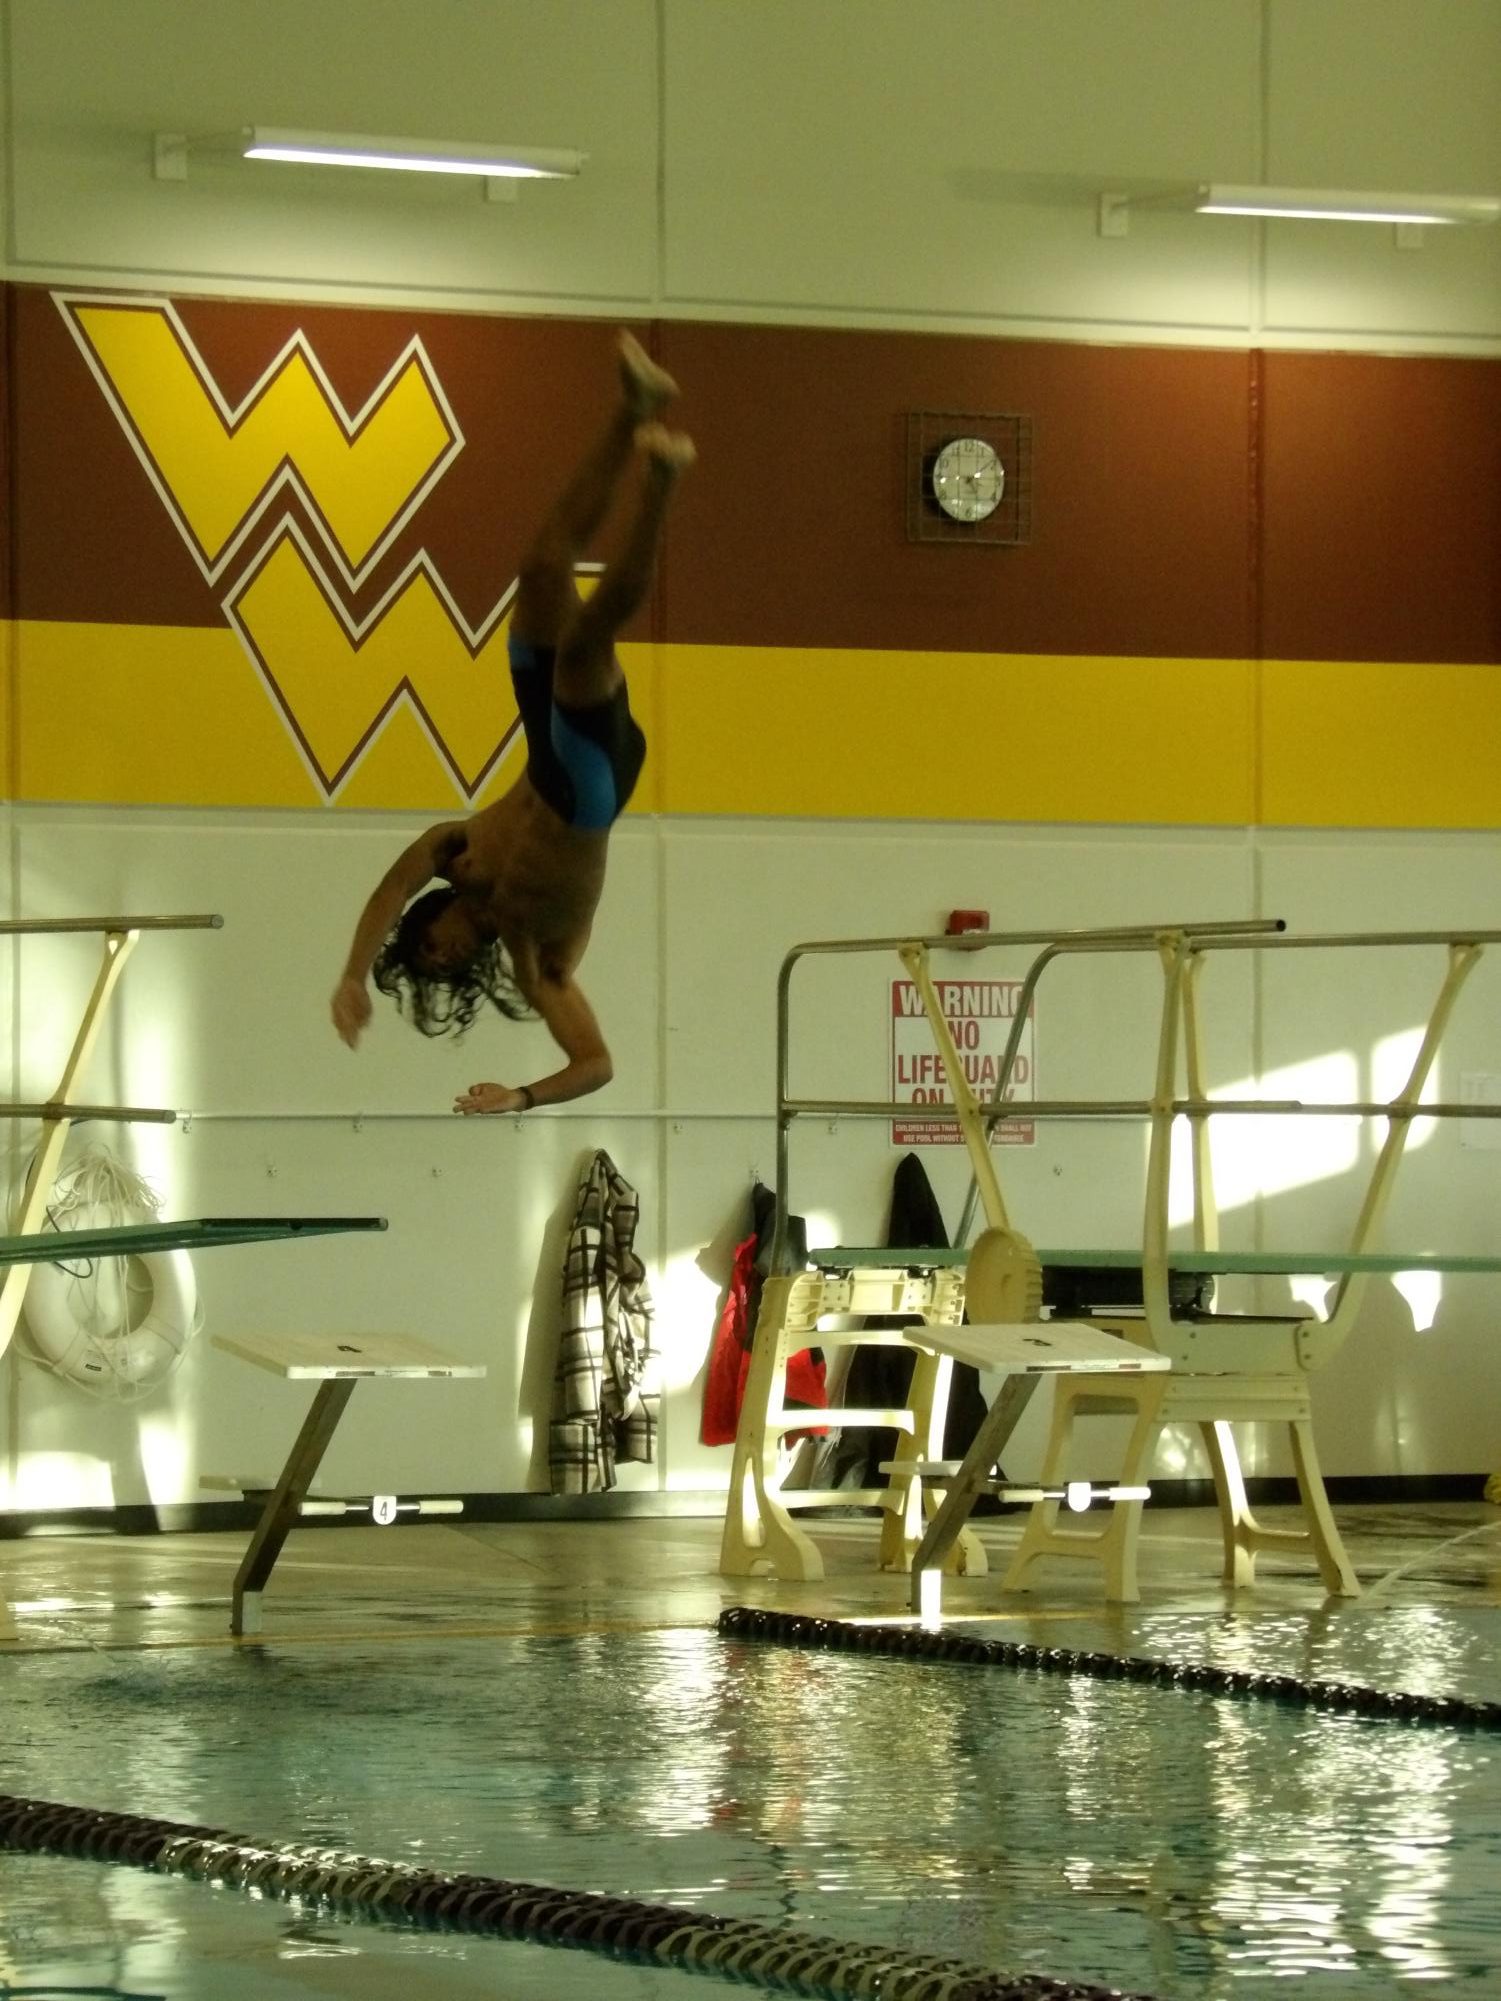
{"x":351,"y":1010}
{"x":491,"y":1098}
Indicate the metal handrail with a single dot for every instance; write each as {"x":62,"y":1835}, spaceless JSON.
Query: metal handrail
{"x":26,"y":927}
{"x":1108,"y":938}
{"x":1301,"y":941}
{"x":1251,"y":934}
{"x":1143,"y":1108}
{"x":1273,"y":938}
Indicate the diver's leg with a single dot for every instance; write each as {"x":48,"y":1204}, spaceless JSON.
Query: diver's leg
{"x":546,"y":597}
{"x":587,"y":670}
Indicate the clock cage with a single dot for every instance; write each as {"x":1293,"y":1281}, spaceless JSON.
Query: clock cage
{"x":928,"y":431}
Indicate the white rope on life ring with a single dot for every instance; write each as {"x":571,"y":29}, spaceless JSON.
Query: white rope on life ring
{"x":116,"y":1326}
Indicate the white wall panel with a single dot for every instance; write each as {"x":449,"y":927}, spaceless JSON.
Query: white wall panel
{"x":943,"y":161}
{"x":855,"y":162}
{"x":1385,"y":94}
{"x":233,"y":1023}
{"x":1391,"y":1394}
{"x":238,"y":1019}
{"x":1335,"y":283}
{"x":1394,"y":94}
{"x":752,"y":899}
{"x":93,"y":81}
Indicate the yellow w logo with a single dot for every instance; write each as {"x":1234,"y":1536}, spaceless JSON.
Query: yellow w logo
{"x":218,"y":469}
{"x":339,"y":682}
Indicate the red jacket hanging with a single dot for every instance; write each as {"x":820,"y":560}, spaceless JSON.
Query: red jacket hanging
{"x":730,"y":1358}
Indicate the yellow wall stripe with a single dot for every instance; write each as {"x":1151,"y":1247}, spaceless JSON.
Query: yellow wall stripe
{"x":1380,"y":744}
{"x":130,"y":715}
{"x":956,"y":736}
{"x":135,"y":715}
{"x":7,"y":705}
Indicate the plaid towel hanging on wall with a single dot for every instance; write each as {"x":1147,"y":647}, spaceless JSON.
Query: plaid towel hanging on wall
{"x":605,"y":1393}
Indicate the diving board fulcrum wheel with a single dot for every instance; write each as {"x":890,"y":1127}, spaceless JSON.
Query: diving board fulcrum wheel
{"x":1003,"y":1279}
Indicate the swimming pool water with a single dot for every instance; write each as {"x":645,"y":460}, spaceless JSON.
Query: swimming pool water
{"x":1176,"y":1844}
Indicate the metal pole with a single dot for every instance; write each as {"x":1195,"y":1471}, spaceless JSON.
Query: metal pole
{"x":23,"y":927}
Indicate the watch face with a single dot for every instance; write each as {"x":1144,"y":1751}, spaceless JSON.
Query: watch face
{"x":968,"y":479}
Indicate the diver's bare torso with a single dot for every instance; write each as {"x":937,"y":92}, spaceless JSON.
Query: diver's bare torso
{"x":531,"y":881}
{"x":525,"y":877}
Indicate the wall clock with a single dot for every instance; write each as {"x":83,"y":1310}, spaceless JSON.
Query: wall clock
{"x":969,"y":477}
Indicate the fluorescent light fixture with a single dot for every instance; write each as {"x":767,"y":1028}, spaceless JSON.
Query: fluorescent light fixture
{"x":1341,"y":205}
{"x":411,"y":156}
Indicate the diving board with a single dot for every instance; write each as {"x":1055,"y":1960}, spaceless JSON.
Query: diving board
{"x":199,"y":1233}
{"x":1217,"y":1263}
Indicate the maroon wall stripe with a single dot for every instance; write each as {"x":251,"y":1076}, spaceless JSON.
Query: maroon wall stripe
{"x":797,"y":535}
{"x":7,"y":423}
{"x":1383,"y":511}
{"x":1187,"y":502}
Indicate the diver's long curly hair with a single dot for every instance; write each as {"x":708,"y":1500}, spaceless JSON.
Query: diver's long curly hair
{"x":444,"y":1003}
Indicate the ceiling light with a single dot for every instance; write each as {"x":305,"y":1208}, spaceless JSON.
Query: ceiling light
{"x":490,"y":162}
{"x":1411,"y":214}
{"x":412,"y":156}
{"x":1341,"y":205}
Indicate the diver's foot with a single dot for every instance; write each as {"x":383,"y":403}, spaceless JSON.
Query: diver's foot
{"x":646,"y":386}
{"x":671,"y":451}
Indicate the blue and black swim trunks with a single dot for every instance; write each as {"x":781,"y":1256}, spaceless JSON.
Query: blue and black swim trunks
{"x":583,"y":762}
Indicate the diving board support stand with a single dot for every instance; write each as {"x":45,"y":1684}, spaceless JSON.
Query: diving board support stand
{"x":336,"y":1365}
{"x":1252,"y":1370}
{"x":58,"y":1113}
{"x":1024,"y":1354}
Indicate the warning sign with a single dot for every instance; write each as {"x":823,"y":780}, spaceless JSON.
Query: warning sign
{"x":980,"y":1014}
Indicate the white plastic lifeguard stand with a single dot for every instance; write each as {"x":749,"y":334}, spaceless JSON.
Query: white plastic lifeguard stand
{"x":999,"y":1283}
{"x":1023,"y":1355}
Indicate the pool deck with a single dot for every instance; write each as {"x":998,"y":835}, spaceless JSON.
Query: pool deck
{"x":447,"y":1578}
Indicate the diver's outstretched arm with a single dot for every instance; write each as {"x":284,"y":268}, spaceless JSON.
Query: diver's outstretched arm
{"x":412,"y":870}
